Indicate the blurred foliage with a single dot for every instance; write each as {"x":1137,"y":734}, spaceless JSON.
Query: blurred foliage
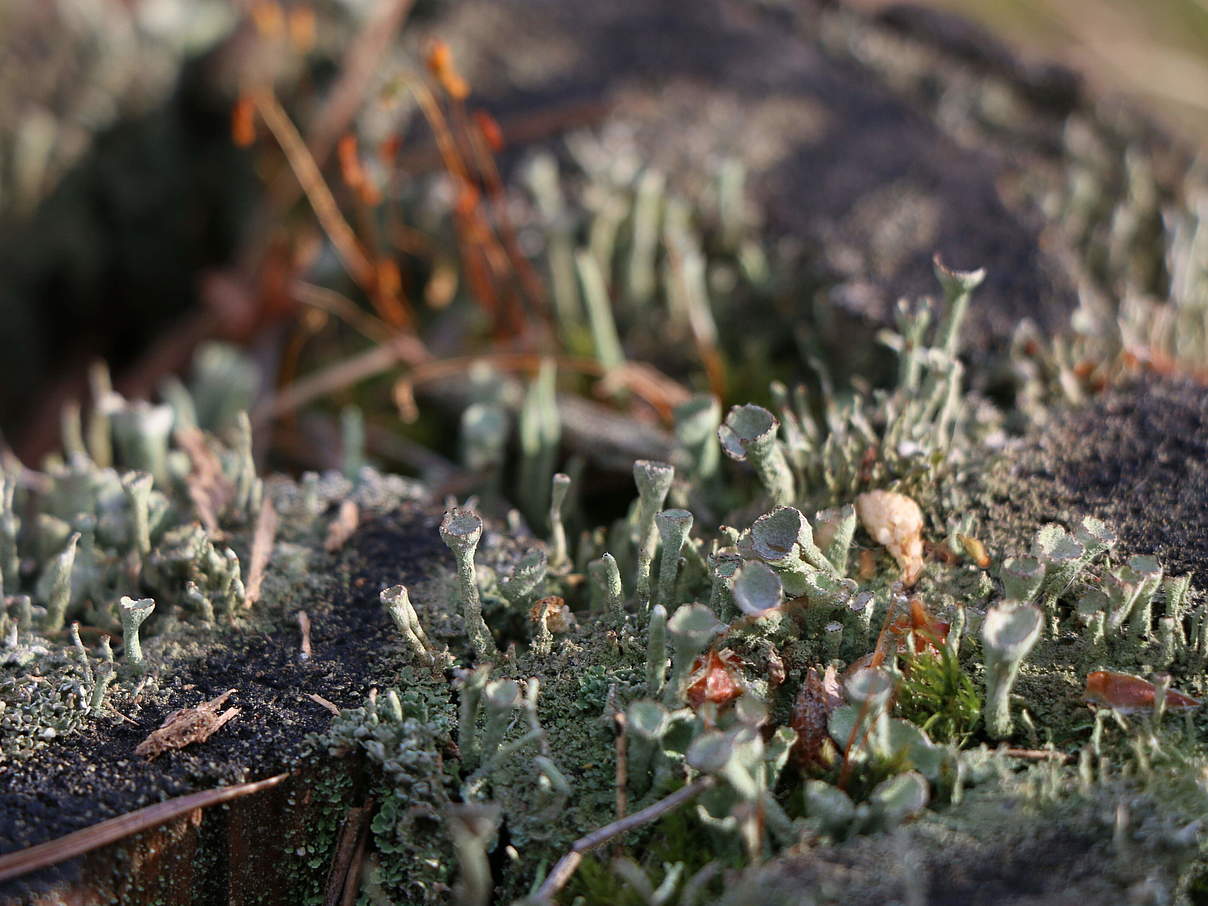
{"x":1156,"y":52}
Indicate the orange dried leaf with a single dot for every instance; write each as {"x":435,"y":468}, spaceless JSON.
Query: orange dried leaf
{"x":975,"y":549}
{"x":243,"y":123}
{"x":927,"y":630}
{"x":713,"y":679}
{"x":1126,"y":693}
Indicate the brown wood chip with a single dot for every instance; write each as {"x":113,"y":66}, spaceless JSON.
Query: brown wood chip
{"x":304,"y":628}
{"x":262,"y":550}
{"x":342,"y":527}
{"x":187,"y":726}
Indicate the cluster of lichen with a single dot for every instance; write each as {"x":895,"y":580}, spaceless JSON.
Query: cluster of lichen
{"x":695,"y":646}
{"x":108,"y":533}
{"x":691,"y":646}
{"x":547,"y":688}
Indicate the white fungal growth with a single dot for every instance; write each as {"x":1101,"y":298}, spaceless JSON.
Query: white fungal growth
{"x":895,"y":521}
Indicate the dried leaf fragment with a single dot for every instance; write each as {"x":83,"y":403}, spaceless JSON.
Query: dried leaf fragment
{"x":558,"y":616}
{"x":342,"y":527}
{"x":714,"y":678}
{"x":819,"y":696}
{"x":187,"y":726}
{"x":927,"y":631}
{"x":975,"y":549}
{"x":1127,"y":693}
{"x":896,"y":522}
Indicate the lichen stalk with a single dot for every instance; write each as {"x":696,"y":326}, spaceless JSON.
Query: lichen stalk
{"x":461,"y":530}
{"x":673,"y":528}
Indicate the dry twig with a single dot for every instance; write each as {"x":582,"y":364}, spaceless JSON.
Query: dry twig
{"x":1037,"y":754}
{"x":320,"y":700}
{"x":342,"y":879}
{"x":404,"y":349}
{"x":304,"y":628}
{"x":342,"y":237}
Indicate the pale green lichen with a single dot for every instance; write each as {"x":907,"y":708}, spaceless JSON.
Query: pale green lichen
{"x":484,"y":781}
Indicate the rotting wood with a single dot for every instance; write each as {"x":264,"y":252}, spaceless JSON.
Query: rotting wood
{"x":345,"y":864}
{"x":44,"y":855}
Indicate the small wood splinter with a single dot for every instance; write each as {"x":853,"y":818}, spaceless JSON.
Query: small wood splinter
{"x":343,"y":527}
{"x":304,"y":627}
{"x":187,"y":726}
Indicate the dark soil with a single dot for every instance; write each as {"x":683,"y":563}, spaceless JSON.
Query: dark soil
{"x":94,"y":775}
{"x":854,"y":169}
{"x":1136,"y":458}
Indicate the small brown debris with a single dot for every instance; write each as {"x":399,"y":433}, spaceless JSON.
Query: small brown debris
{"x":187,"y":726}
{"x":262,"y":550}
{"x":342,"y":527}
{"x":209,"y":489}
{"x":775,"y":666}
{"x":868,"y":564}
{"x":941,"y":552}
{"x":558,"y":618}
{"x":714,"y":678}
{"x":321,"y":701}
{"x":819,"y":696}
{"x":975,"y":549}
{"x":304,"y":627}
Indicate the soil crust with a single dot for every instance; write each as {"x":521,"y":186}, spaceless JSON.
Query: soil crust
{"x":1137,"y":458}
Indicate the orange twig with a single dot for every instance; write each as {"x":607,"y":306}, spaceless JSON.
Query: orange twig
{"x":317,"y":192}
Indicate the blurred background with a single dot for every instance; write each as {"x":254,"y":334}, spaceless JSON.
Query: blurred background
{"x":1154,"y":53}
{"x":395,"y":212}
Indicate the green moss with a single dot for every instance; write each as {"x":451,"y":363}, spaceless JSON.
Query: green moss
{"x":939,"y":696}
